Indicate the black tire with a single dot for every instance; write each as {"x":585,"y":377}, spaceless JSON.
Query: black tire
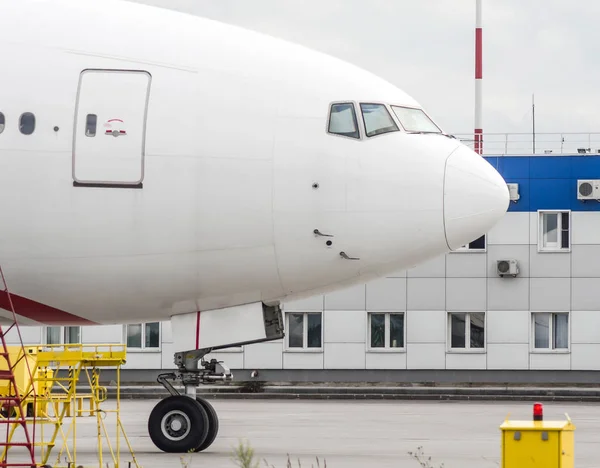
{"x":213,"y":424}
{"x":178,"y":424}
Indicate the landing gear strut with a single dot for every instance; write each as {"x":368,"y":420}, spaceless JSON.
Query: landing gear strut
{"x":187,"y":423}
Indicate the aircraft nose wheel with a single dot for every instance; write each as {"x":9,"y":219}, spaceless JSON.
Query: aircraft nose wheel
{"x":178,"y":424}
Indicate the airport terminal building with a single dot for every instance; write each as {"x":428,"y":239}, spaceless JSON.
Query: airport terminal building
{"x":525,"y":297}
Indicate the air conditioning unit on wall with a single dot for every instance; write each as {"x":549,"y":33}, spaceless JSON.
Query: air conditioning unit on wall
{"x":513,"y":190}
{"x":588,"y":189}
{"x":507,"y":268}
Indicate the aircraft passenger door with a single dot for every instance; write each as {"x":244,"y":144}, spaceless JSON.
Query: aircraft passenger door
{"x":110,"y":128}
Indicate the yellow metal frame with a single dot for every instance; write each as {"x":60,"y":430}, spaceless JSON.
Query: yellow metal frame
{"x":57,"y":397}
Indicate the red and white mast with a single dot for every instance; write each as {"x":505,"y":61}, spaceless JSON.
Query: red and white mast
{"x":478,"y":79}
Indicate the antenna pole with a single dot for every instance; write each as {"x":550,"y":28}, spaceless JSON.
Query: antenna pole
{"x":478,"y":77}
{"x":533,"y":119}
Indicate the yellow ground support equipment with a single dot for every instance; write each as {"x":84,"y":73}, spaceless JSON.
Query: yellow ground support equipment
{"x":58,"y":372}
{"x":538,"y":443}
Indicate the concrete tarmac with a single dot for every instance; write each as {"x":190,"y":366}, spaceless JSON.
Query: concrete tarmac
{"x":351,"y":434}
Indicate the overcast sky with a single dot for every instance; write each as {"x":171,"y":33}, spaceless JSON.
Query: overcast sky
{"x":426,"y":47}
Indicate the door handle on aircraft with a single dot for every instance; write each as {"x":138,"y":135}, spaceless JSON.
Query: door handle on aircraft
{"x":345,"y":256}
{"x":319,"y":233}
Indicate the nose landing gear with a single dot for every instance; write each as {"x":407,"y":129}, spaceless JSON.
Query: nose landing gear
{"x":187,"y":423}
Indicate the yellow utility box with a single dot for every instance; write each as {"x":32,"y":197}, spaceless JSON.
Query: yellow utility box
{"x":538,"y":444}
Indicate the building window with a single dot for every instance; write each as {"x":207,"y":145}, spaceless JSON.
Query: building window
{"x":305,"y":330}
{"x":554,"y":230}
{"x":478,"y":245}
{"x":342,"y":120}
{"x":63,"y":335}
{"x":467,"y":330}
{"x":386,"y":331}
{"x":550,"y":330}
{"x":143,"y":335}
{"x":27,"y":123}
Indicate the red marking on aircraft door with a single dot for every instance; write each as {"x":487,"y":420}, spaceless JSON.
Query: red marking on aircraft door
{"x":115,"y":158}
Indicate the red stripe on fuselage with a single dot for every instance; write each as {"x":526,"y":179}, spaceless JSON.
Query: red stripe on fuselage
{"x":41,"y":312}
{"x":198,"y":330}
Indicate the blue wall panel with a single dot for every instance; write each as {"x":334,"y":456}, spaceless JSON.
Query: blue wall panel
{"x":543,"y":167}
{"x":548,"y":182}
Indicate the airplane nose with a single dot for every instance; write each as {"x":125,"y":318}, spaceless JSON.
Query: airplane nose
{"x":475,"y":197}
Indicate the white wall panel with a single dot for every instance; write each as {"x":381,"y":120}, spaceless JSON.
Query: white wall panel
{"x":584,"y":263}
{"x":344,"y":356}
{"x":30,"y":335}
{"x":550,"y":361}
{"x":426,"y":326}
{"x":309,"y":304}
{"x":263,"y":356}
{"x":167,"y":356}
{"x":386,"y":360}
{"x":387,"y":294}
{"x":513,"y":228}
{"x":466,"y":265}
{"x":585,"y":294}
{"x":507,"y":326}
{"x":585,"y":356}
{"x":110,"y":334}
{"x":466,"y":294}
{"x":466,"y":361}
{"x":585,"y":327}
{"x":550,"y":294}
{"x":434,"y":268}
{"x":347,"y":299}
{"x":586,"y":227}
{"x":426,"y":294}
{"x":549,"y":264}
{"x":426,"y":356}
{"x":507,"y":356}
{"x":508,"y":293}
{"x":143,"y":360}
{"x":302,"y":360}
{"x":347,"y":326}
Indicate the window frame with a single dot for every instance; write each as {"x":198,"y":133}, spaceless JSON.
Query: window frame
{"x":304,"y":348}
{"x":63,"y":335}
{"x":21,"y":123}
{"x":467,"y":349}
{"x":441,"y":132}
{"x":466,"y":249}
{"x":550,"y":350}
{"x":358,"y":117}
{"x":386,"y":348}
{"x":143,"y":348}
{"x":540,"y":231}
{"x":390,"y":114}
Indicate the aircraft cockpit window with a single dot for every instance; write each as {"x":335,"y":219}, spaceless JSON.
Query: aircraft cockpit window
{"x":415,"y":120}
{"x":27,"y":123}
{"x":91,"y":122}
{"x":377,"y":119}
{"x":2,"y":122}
{"x":342,"y":120}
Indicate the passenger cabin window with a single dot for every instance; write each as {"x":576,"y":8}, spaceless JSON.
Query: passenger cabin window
{"x":91,"y":121}
{"x":377,"y":119}
{"x":342,"y":120}
{"x":2,"y":122}
{"x":415,"y":120}
{"x":27,"y":123}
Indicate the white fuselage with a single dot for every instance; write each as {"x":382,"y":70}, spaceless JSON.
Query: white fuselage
{"x":227,"y":131}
